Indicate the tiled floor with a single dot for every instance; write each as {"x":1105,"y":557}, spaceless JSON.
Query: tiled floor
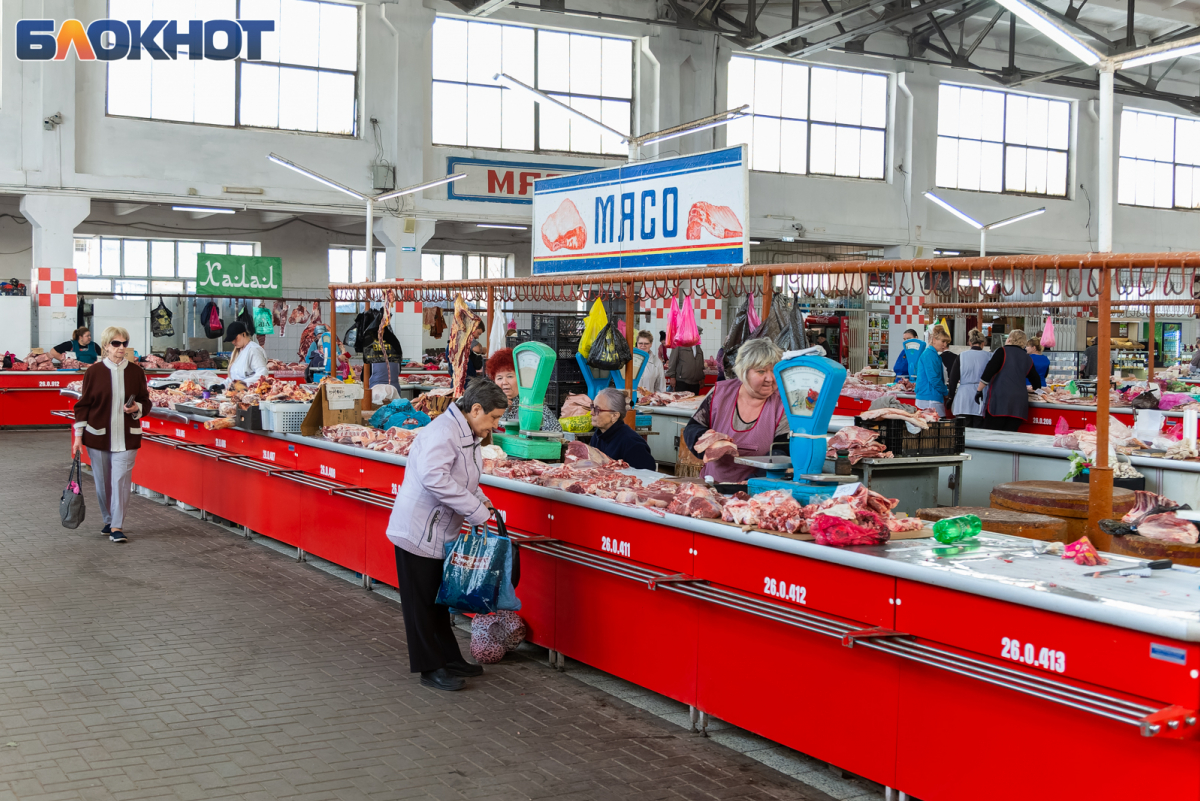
{"x":192,"y":664}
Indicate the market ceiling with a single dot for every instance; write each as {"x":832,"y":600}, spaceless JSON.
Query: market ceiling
{"x":979,"y":36}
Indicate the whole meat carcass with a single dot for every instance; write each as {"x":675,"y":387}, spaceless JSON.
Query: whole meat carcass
{"x":564,"y":228}
{"x":458,"y":350}
{"x":582,"y":452}
{"x":279,"y":314}
{"x":720,"y":221}
{"x":714,"y":445}
{"x":696,"y":500}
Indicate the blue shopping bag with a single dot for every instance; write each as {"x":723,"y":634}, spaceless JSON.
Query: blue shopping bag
{"x":471,"y":574}
{"x":510,"y":569}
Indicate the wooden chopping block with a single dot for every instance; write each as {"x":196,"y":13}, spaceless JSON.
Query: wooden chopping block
{"x":1005,"y":521}
{"x":1062,"y":499}
{"x":1146,"y":548}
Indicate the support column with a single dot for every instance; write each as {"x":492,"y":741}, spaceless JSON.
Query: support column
{"x":1100,"y":482}
{"x":1105,"y":216}
{"x":398,"y":234}
{"x":54,"y":219}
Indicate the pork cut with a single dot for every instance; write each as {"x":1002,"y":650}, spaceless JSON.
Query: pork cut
{"x":565,"y":228}
{"x":1146,"y":504}
{"x":715,"y":445}
{"x":862,"y":444}
{"x":775,"y":510}
{"x":582,"y":452}
{"x":720,"y":221}
{"x":1168,"y":527}
{"x":696,"y":500}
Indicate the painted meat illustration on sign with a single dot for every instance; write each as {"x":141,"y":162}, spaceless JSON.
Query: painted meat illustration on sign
{"x":565,"y":228}
{"x":720,"y":221}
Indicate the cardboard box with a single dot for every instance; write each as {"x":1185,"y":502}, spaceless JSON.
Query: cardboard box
{"x":334,"y":404}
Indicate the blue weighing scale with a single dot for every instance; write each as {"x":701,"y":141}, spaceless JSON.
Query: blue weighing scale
{"x":596,"y":380}
{"x":639,"y":367}
{"x":809,"y":385}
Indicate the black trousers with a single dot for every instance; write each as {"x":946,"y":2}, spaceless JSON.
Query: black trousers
{"x":972,"y":420}
{"x":1002,"y":423}
{"x":680,"y":386}
{"x":431,"y":641}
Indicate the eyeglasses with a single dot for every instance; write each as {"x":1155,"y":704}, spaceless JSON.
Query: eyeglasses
{"x":597,"y":410}
{"x":118,"y":343}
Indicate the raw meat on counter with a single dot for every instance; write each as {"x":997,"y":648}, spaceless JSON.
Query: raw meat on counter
{"x":921,"y":418}
{"x":39,"y":361}
{"x":564,"y":228}
{"x":862,"y":444}
{"x":582,"y":452}
{"x":775,"y":510}
{"x":662,"y":398}
{"x":715,"y":445}
{"x":75,"y":386}
{"x":720,"y":221}
{"x":1168,"y":527}
{"x":395,"y":440}
{"x":463,"y":325}
{"x":697,"y":500}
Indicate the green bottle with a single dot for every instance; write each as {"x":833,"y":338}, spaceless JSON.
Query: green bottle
{"x":956,"y":529}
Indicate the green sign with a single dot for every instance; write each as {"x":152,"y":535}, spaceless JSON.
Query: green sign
{"x":245,"y":276}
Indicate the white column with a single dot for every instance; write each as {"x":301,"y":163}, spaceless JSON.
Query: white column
{"x":1106,"y":159}
{"x":54,"y":219}
{"x":396,"y":234}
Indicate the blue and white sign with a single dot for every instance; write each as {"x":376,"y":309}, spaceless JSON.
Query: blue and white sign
{"x":500,"y":181}
{"x":678,"y":212}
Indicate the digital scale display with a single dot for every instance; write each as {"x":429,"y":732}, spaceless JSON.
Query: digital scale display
{"x":527,"y":366}
{"x":801,"y":389}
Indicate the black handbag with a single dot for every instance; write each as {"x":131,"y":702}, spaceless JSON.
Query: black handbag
{"x":70,"y":506}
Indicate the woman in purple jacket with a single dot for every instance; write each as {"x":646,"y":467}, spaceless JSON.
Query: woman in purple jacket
{"x":440,"y":491}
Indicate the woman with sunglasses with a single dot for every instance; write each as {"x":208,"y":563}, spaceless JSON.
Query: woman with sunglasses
{"x":114,"y":398}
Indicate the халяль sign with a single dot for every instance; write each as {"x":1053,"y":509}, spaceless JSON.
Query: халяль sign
{"x":246,"y":276}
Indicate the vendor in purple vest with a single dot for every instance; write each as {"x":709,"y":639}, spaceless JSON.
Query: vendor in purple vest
{"x":748,"y":410}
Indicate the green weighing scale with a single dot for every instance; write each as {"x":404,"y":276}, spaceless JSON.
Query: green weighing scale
{"x":535,"y":363}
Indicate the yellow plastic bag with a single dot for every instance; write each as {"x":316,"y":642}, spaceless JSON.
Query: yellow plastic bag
{"x":593,"y":324}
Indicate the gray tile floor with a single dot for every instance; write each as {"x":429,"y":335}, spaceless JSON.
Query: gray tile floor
{"x":192,"y":664}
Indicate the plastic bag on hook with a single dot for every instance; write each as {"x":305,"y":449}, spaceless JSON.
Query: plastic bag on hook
{"x":593,"y":324}
{"x":1048,"y":333}
{"x":672,"y":322}
{"x":793,"y":337}
{"x":739,"y":332}
{"x":687,"y":333}
{"x":611,"y":350}
{"x":778,"y":319}
{"x":752,"y":313}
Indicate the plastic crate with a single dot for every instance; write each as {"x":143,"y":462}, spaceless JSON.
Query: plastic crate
{"x":566,"y":371}
{"x":286,"y":418}
{"x":556,"y":394}
{"x":943,"y":438}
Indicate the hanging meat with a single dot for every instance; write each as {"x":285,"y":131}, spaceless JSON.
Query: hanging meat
{"x":459,"y":350}
{"x":298,"y":316}
{"x":279,"y":314}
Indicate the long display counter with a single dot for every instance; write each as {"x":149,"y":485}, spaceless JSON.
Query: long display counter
{"x":921,"y":667}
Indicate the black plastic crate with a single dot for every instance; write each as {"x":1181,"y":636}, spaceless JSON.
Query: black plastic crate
{"x":569,"y":326}
{"x":564,"y":347}
{"x":943,"y":438}
{"x":556,"y":325}
{"x":566,"y":371}
{"x":556,"y":394}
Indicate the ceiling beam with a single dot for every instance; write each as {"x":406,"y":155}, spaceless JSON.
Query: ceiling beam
{"x":813,"y":25}
{"x":878,"y":25}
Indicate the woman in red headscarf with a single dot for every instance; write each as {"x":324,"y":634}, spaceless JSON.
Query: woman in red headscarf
{"x":500,"y":368}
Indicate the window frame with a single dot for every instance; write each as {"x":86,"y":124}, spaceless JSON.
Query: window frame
{"x":537,"y":107}
{"x":237,"y":84}
{"x":809,"y":122}
{"x":1174,"y":163}
{"x":509,"y":264}
{"x":378,"y":254}
{"x":187,"y":285}
{"x":1069,"y":152}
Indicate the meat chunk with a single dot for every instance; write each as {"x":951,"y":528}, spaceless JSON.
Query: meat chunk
{"x":462,"y":329}
{"x":565,"y":228}
{"x":720,"y":221}
{"x":279,"y":314}
{"x":696,"y":500}
{"x":862,"y":444}
{"x":582,"y":452}
{"x":715,"y":445}
{"x":775,"y":510}
{"x":1168,"y":527}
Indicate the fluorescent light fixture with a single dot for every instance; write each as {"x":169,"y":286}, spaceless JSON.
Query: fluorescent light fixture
{"x":1161,"y":55}
{"x":419,"y":187}
{"x":505,"y":227}
{"x":787,"y":239}
{"x":960,"y":215}
{"x":755,"y":242}
{"x":541,"y":97}
{"x":1018,"y":218}
{"x":202,"y":209}
{"x":704,"y":127}
{"x":316,"y":177}
{"x":1044,"y":24}
{"x":949,"y":253}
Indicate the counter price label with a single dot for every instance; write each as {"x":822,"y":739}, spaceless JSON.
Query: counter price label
{"x":220,"y":443}
{"x":395,"y":489}
{"x":1029,"y":654}
{"x":145,"y":425}
{"x":610,"y":545}
{"x":48,"y":383}
{"x":181,"y":433}
{"x":328,"y":472}
{"x":777,"y":588}
{"x":1043,"y":421}
{"x":269,"y":456}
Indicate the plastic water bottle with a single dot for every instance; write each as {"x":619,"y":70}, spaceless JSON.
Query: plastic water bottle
{"x":956,"y":529}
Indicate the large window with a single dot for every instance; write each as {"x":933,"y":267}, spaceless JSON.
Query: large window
{"x":349,"y":265}
{"x":459,"y":266}
{"x":144,"y":266}
{"x":1002,"y":141}
{"x":593,"y":74}
{"x":1160,"y":161}
{"x":306,"y":80}
{"x":809,"y":120}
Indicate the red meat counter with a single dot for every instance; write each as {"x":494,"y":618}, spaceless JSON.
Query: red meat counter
{"x":31,"y":398}
{"x":877,"y":657}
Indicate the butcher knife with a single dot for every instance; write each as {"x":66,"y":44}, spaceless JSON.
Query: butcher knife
{"x":1157,"y":564}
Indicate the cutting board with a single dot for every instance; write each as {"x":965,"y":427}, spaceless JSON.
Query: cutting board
{"x":919,"y":534}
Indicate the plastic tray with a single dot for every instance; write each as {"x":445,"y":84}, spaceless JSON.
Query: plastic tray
{"x":286,"y":418}
{"x":528,"y":448}
{"x":943,"y":438}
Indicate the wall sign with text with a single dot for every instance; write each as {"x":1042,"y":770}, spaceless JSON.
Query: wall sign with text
{"x":246,"y":276}
{"x":500,"y":181}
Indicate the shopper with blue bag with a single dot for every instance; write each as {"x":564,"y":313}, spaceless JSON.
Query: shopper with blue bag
{"x":440,"y":492}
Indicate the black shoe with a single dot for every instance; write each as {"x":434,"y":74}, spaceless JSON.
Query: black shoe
{"x":463,"y":668}
{"x":441,"y":679}
{"x":107,"y":529}
{"x":117,"y":536}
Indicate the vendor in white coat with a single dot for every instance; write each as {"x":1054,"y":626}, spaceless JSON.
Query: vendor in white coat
{"x":653,"y":379}
{"x":964,"y":375}
{"x":249,"y":361}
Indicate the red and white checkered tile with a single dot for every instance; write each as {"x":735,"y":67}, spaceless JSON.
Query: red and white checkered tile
{"x":706,"y":308}
{"x":56,"y":287}
{"x":906,"y":309}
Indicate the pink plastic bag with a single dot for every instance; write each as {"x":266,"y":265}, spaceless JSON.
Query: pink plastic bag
{"x":1062,"y":427}
{"x":672,"y":323}
{"x":752,"y":313}
{"x":687,"y":333}
{"x":1048,"y":333}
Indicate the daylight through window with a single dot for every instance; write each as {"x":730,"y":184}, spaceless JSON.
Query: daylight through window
{"x":1159,"y":161}
{"x":144,"y":266}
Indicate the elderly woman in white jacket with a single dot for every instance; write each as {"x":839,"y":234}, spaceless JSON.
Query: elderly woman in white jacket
{"x":440,"y":491}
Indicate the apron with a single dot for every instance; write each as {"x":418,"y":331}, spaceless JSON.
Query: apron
{"x":88,"y":355}
{"x":970,"y":369}
{"x":1007,"y":396}
{"x":755,"y":441}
